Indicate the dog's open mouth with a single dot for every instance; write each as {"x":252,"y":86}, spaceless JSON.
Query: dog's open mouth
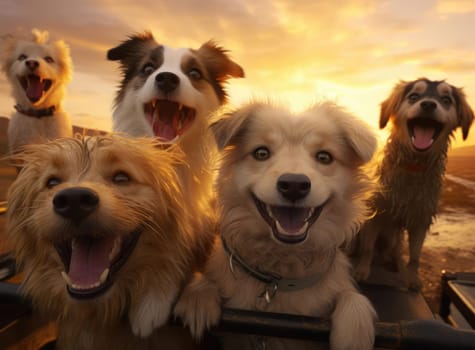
{"x":289,"y":224}
{"x":423,"y":132}
{"x":90,"y":262}
{"x":35,"y":86}
{"x":168,"y":119}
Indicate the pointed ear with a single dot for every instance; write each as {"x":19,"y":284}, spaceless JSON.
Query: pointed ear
{"x":65,"y":63}
{"x":128,"y":48}
{"x":232,"y":126}
{"x":464,"y":111}
{"x":390,"y":106}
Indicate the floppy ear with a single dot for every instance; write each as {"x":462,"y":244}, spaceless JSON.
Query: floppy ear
{"x":219,"y":67}
{"x":128,"y":48}
{"x":358,"y":135}
{"x":218,"y":63}
{"x":390,"y":106}
{"x":232,"y":126}
{"x":464,"y":111}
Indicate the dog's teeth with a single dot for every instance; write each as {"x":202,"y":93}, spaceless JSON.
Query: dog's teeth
{"x":74,"y":243}
{"x":180,"y":107}
{"x":66,"y":278}
{"x":94,"y":285}
{"x":269,"y":211}
{"x":115,"y":249}
{"x":104,"y":275}
{"x":310,"y":213}
{"x":154,"y":117}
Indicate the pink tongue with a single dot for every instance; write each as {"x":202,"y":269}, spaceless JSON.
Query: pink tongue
{"x":423,"y":137}
{"x":164,"y":131}
{"x":166,"y":125}
{"x":291,"y":219}
{"x":35,"y":88}
{"x":89,"y":258}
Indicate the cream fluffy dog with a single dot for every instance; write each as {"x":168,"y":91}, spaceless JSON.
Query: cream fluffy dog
{"x":101,"y":229}
{"x":424,"y":115}
{"x":292,"y":191}
{"x":38,"y":72}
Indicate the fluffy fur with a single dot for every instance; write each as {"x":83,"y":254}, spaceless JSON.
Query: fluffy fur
{"x":424,"y":115}
{"x":292,"y":191}
{"x":38,"y":72}
{"x":81,"y":206}
{"x":169,"y":93}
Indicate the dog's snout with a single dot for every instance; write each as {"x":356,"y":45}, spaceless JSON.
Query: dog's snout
{"x":32,"y":64}
{"x":428,"y":106}
{"x":75,"y":203}
{"x":167,"y":82}
{"x":294,"y":186}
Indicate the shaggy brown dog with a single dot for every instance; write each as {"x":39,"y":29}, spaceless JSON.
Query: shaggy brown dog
{"x":102,"y":231}
{"x":292,"y":191}
{"x":424,"y":116}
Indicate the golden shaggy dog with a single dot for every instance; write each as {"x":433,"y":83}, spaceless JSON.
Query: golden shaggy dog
{"x":101,"y":230}
{"x":38,"y":71}
{"x":424,"y":115}
{"x":292,"y":191}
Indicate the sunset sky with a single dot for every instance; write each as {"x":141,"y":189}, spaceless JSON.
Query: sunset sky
{"x":350,"y":51}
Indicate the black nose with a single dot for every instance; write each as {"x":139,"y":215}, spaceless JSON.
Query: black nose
{"x":32,"y":64}
{"x":294,"y":186}
{"x":428,"y":106}
{"x":75,"y":203}
{"x":167,"y":82}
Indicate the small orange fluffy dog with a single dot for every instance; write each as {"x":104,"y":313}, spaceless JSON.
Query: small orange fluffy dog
{"x":100,"y":228}
{"x":292,"y":191}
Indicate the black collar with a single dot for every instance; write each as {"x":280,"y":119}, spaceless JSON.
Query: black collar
{"x":36,"y":113}
{"x":273,"y":281}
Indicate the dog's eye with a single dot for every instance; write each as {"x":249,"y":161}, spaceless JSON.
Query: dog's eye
{"x":195,"y":74}
{"x":324,"y":157}
{"x":49,"y":59}
{"x":120,"y":178}
{"x":261,"y":153}
{"x":446,"y":100}
{"x":52,"y":181}
{"x":22,"y":57}
{"x":413,"y":97}
{"x":148,"y":69}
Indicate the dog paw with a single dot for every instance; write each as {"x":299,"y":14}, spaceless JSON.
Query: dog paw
{"x":361,"y":272}
{"x":352,"y":323}
{"x":199,"y":305}
{"x":152,"y":313}
{"x":413,"y":281}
